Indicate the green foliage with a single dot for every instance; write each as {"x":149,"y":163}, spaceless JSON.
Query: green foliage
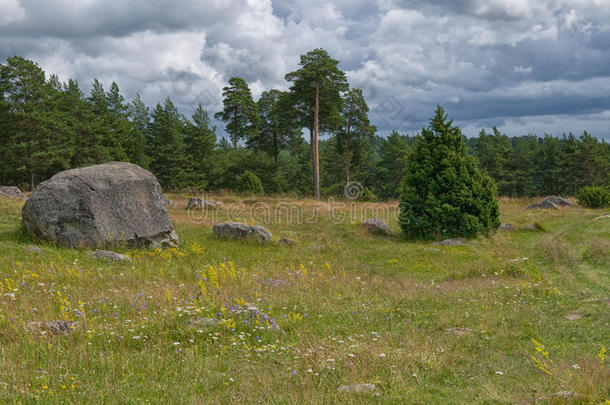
{"x":250,"y":183}
{"x":368,"y":195}
{"x":316,"y":94}
{"x":166,"y":146}
{"x":240,"y":110}
{"x":277,"y":129}
{"x":200,"y":141}
{"x":391,"y":165}
{"x":444,"y":191}
{"x":47,"y":126}
{"x":594,"y":197}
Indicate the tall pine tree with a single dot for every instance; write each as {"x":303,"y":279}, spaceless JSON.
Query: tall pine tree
{"x":318,"y":83}
{"x":239,"y":112}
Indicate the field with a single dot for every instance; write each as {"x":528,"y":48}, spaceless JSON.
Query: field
{"x":519,"y":317}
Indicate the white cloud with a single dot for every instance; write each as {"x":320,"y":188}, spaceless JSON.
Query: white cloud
{"x":12,"y":12}
{"x":486,"y":58}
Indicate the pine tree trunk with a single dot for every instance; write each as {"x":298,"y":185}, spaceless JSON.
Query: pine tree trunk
{"x":348,"y":152}
{"x":314,"y":146}
{"x":235,"y":134}
{"x":275,"y":148}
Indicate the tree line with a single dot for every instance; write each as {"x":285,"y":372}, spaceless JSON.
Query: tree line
{"x":47,"y":126}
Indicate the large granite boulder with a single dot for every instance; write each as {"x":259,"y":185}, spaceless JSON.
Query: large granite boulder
{"x":12,"y":192}
{"x":100,"y":205}
{"x":237,"y":230}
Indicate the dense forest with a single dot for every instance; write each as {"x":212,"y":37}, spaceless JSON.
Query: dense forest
{"x":47,"y":126}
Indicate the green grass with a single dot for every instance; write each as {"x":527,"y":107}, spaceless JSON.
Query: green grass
{"x":351,"y":308}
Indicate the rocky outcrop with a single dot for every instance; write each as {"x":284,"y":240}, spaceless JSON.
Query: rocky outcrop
{"x":100,"y":205}
{"x":552,"y":202}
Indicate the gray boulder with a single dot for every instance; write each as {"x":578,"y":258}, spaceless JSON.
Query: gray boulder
{"x":237,"y":230}
{"x":12,"y":192}
{"x":507,"y":227}
{"x":100,"y":205}
{"x":451,"y":242}
{"x":546,"y":204}
{"x":196,"y":202}
{"x":376,"y":226}
{"x":111,"y":256}
{"x":559,"y":201}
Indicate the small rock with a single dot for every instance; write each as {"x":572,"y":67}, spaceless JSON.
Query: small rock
{"x":532,"y":227}
{"x":108,"y":255}
{"x":432,"y":250}
{"x":287,"y":242}
{"x":451,"y":242}
{"x":507,"y":227}
{"x":376,"y":226}
{"x":12,"y":192}
{"x":357,"y":388}
{"x":238,"y":230}
{"x":573,"y":316}
{"x":460,"y":331}
{"x":34,"y":249}
{"x":51,"y":327}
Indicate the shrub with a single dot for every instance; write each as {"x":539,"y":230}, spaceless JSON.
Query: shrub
{"x":444,"y":191}
{"x":594,"y":197}
{"x":368,"y":195}
{"x":249,"y":182}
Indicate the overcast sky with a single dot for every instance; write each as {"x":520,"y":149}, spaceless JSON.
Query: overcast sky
{"x":524,"y":66}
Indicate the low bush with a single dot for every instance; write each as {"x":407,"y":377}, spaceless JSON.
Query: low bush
{"x":250,"y":183}
{"x":594,"y":197}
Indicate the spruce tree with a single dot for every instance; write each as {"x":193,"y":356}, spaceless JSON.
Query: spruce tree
{"x":166,"y":146}
{"x":135,"y":148}
{"x":200,"y":140}
{"x":33,"y":137}
{"x":445,"y":194}
{"x":119,"y":126}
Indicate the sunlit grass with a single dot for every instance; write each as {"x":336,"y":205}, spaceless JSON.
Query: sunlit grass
{"x":342,"y":307}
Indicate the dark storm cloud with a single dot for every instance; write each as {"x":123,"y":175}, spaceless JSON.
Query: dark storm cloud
{"x":517,"y":64}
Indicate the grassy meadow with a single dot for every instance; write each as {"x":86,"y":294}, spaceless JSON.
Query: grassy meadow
{"x":518,"y":317}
